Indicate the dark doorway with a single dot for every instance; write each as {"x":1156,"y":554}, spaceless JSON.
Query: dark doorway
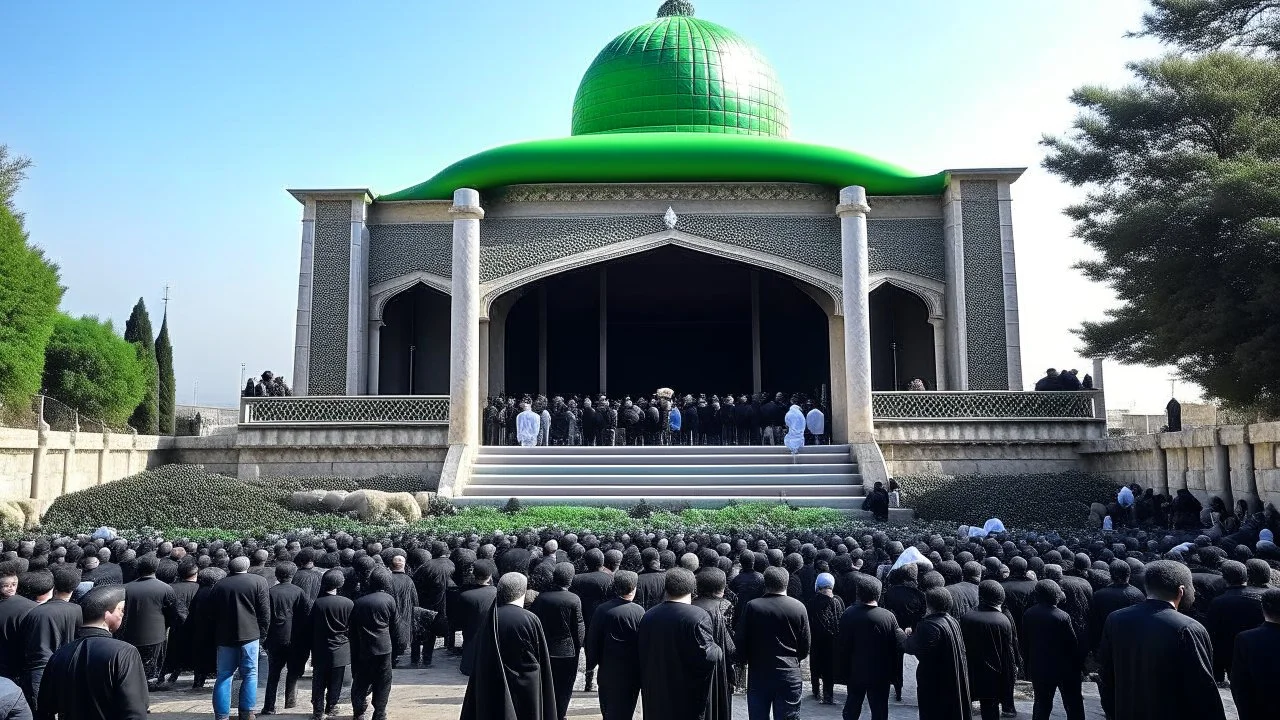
{"x":413,"y":351}
{"x":901,"y":340}
{"x":673,"y":318}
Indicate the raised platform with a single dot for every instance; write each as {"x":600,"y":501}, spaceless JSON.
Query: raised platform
{"x":824,"y":475}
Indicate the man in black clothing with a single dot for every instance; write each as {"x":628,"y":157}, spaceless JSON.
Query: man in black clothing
{"x":239,"y":609}
{"x":1054,"y":660}
{"x":592,"y":588}
{"x":989,"y":649}
{"x":1116,"y":596}
{"x":406,"y":595}
{"x":373,"y":618}
{"x":258,"y":566}
{"x":1256,"y":663}
{"x":432,"y":582}
{"x":877,"y":503}
{"x":95,"y":677}
{"x":330,"y":646}
{"x":1077,"y":599}
{"x":307,"y":577}
{"x":1237,"y":609}
{"x":904,"y":599}
{"x":964,"y":593}
{"x":613,"y":646}
{"x":711,"y":586}
{"x":1157,"y":662}
{"x":512,"y":680}
{"x":942,"y":677}
{"x":177,"y":656}
{"x":773,"y":637}
{"x":288,"y":631}
{"x":746,"y":586}
{"x":473,"y":607}
{"x":866,"y":649}
{"x":150,"y":609}
{"x":651,"y":583}
{"x":1018,"y":589}
{"x":48,"y":627}
{"x":13,"y":608}
{"x":560,"y":612}
{"x":677,"y":654}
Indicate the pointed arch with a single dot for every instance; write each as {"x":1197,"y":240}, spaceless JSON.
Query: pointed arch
{"x":382,"y":293}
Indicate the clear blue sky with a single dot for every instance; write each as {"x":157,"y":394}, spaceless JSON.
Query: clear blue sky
{"x":164,"y":135}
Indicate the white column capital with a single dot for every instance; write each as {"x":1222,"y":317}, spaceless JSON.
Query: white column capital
{"x":853,"y":202}
{"x":466,"y":205}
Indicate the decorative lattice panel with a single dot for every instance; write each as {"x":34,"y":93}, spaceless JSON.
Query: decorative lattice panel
{"x":330,"y":297}
{"x":984,"y":287}
{"x":941,"y":405}
{"x":371,"y":409}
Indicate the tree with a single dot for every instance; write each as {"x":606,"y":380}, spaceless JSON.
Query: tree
{"x":12,"y":172}
{"x":92,"y":369}
{"x":168,"y":389}
{"x":1183,"y":173}
{"x":29,"y":297}
{"x":137,"y":330}
{"x":1200,"y":25}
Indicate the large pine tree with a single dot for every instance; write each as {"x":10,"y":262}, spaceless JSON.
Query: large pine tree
{"x":164,"y":362}
{"x":146,"y":418}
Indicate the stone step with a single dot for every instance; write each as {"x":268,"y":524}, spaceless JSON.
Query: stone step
{"x":516,"y":456}
{"x":662,"y":450}
{"x":632,"y":470}
{"x":726,"y":489}
{"x":677,"y":479}
{"x":852,"y":505}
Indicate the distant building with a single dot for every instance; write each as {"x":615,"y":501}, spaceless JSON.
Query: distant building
{"x":1194,"y":415}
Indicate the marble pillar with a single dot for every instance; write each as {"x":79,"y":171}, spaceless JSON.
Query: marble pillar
{"x":302,"y":329}
{"x":939,"y":352}
{"x":375,"y":356}
{"x":837,"y":416}
{"x":485,"y":350}
{"x":358,"y":300}
{"x":1100,"y":400}
{"x":956,"y":309}
{"x":464,"y":357}
{"x":853,"y":211}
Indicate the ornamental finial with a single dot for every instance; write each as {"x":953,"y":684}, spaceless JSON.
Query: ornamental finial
{"x":676,"y":7}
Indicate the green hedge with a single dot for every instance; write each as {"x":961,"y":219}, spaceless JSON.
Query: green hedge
{"x":1054,"y":500}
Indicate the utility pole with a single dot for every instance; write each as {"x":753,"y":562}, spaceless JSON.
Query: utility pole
{"x":196,"y":392}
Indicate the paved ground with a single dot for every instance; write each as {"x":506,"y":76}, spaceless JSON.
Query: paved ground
{"x":436,"y":694}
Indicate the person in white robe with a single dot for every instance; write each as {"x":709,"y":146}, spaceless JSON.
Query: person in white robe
{"x":527,"y":426}
{"x":817,"y":424}
{"x":795,"y":422}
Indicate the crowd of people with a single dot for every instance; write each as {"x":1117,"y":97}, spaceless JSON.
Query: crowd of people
{"x":661,"y":419}
{"x":268,"y":385}
{"x":90,"y":626}
{"x":1065,"y":380}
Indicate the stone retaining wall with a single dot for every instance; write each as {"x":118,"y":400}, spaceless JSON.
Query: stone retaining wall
{"x":45,"y":464}
{"x":1234,"y":462}
{"x":983,"y":446}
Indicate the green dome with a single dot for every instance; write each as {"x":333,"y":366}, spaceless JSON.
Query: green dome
{"x":680,"y":74}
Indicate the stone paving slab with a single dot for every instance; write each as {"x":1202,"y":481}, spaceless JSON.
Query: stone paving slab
{"x":436,"y":694}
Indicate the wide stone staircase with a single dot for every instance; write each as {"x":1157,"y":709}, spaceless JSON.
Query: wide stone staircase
{"x":704,"y":476}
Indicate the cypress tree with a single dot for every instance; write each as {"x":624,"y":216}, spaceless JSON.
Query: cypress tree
{"x":164,"y":362}
{"x":146,"y":418}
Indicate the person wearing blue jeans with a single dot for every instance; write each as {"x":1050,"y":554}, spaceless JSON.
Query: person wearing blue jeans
{"x":231,"y":658}
{"x":240,"y":610}
{"x":773,"y":636}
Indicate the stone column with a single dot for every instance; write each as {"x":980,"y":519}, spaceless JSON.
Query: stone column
{"x":853,"y":211}
{"x":498,"y":347}
{"x":464,"y":356}
{"x":837,"y":414}
{"x":375,"y":355}
{"x":939,"y":353}
{"x":757,"y":385}
{"x":1012,"y":330}
{"x":357,"y":300}
{"x":1100,"y":398}
{"x":302,"y":329}
{"x":953,"y":257}
{"x":484,"y":360}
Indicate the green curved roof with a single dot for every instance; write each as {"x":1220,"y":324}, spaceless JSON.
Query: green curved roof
{"x":678,"y":73}
{"x":670,"y":157}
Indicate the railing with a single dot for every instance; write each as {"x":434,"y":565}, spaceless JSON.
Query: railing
{"x":59,"y":416}
{"x":346,"y":410}
{"x":1010,"y":405}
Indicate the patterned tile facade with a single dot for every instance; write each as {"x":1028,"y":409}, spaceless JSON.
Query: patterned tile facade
{"x":329,"y":295}
{"x":511,"y":244}
{"x":984,"y":286}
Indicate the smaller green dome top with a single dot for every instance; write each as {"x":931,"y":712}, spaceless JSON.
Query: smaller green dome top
{"x":678,"y":73}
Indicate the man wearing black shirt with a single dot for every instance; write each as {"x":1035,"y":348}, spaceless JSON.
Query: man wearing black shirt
{"x":95,"y":677}
{"x":330,"y":645}
{"x":773,"y":637}
{"x":613,"y":646}
{"x":373,"y":618}
{"x":13,"y":608}
{"x":560,"y":612}
{"x":866,"y":651}
{"x":48,"y":627}
{"x":240,"y":612}
{"x":289,"y":609}
{"x":150,"y":609}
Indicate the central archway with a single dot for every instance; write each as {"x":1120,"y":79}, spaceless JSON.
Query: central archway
{"x":667,"y":317}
